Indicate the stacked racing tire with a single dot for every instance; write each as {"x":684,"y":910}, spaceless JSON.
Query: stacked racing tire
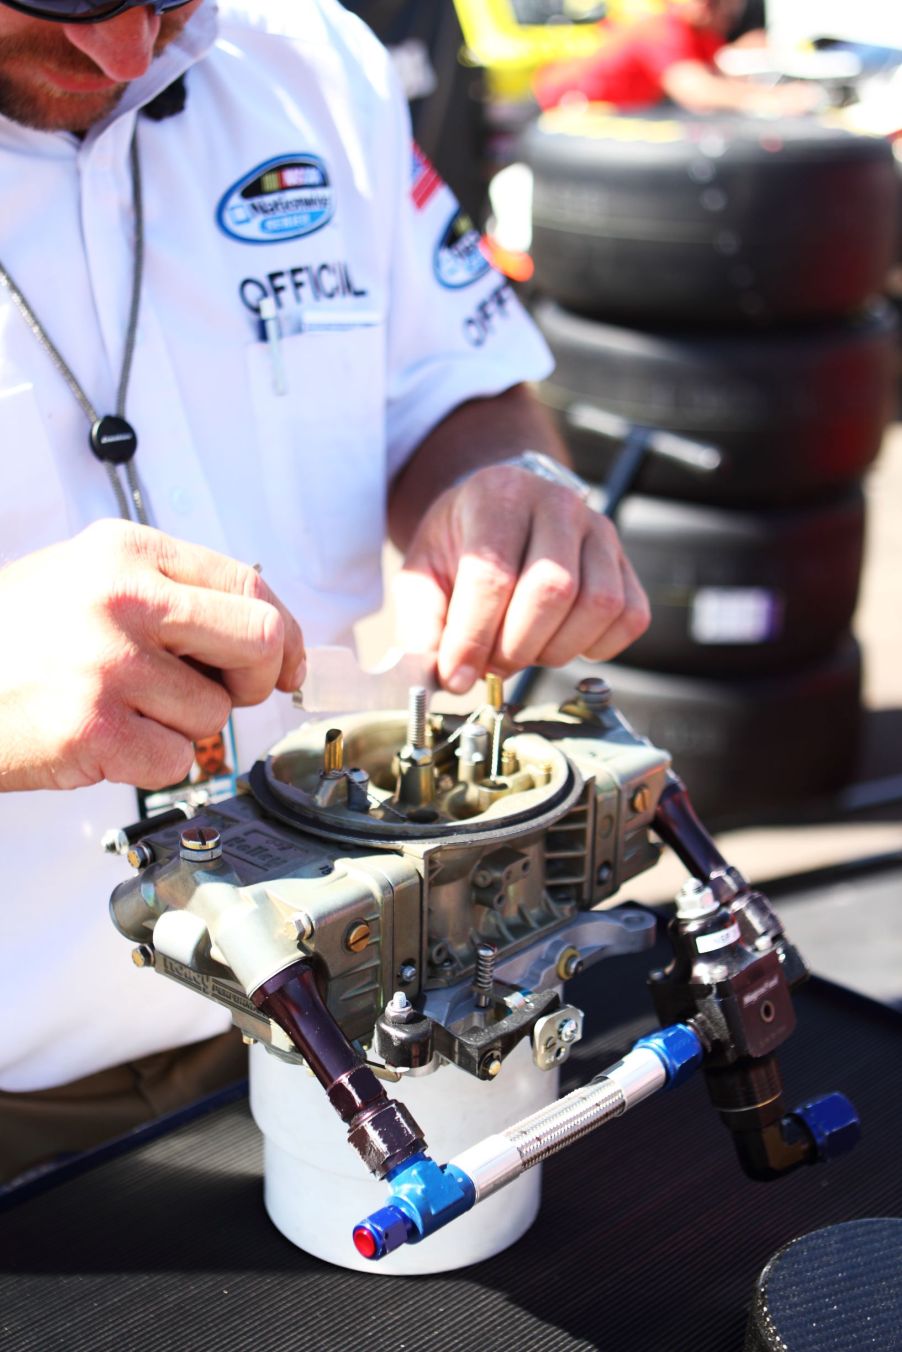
{"x":720,"y":278}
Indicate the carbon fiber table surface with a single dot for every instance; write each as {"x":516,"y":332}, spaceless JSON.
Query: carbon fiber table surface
{"x":649,"y":1238}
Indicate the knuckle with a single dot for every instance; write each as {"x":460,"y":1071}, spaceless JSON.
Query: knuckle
{"x":557,"y":586}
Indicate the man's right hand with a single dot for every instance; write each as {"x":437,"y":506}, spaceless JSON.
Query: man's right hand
{"x":121,"y":647}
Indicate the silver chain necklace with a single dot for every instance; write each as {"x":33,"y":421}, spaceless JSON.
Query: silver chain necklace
{"x":112,"y":439}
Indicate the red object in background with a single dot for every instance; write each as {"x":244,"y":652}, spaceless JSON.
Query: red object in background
{"x":627,"y":71}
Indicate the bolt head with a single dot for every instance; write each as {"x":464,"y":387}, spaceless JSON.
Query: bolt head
{"x":407,"y":972}
{"x":143,"y":956}
{"x":568,"y":1030}
{"x":641,"y":799}
{"x":594,"y":690}
{"x":490,"y":1065}
{"x":357,"y":936}
{"x":569,"y":964}
{"x":200,"y":843}
{"x":139,"y":856}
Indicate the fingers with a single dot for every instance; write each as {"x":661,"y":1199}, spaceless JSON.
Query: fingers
{"x":610,"y":610}
{"x":547,"y":587}
{"x":538,"y":578}
{"x":241,"y":638}
{"x":258,"y":628}
{"x":421,"y":606}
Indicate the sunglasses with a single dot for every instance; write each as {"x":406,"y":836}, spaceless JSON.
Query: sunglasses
{"x":87,"y":11}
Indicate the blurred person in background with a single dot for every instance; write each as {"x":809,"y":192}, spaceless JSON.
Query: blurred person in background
{"x":669,"y":57}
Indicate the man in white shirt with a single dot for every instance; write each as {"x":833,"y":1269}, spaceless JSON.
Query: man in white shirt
{"x":216,"y":226}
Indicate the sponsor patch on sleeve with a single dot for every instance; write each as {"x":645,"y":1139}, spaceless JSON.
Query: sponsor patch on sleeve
{"x":284,"y":198}
{"x":459,"y":260}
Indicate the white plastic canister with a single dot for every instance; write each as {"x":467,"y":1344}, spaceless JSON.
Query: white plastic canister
{"x":316,"y":1189}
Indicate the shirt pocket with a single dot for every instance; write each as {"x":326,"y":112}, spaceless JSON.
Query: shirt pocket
{"x":32,"y":501}
{"x":320,"y":446}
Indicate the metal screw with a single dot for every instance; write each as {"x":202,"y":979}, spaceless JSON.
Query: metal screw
{"x":490,"y":1065}
{"x":139,"y":856}
{"x":407,"y":972}
{"x":567,"y":1030}
{"x":398,"y":1008}
{"x":641,"y":799}
{"x":302,"y":924}
{"x":604,"y":873}
{"x":416,"y":716}
{"x":595,"y":692}
{"x":569,"y":964}
{"x":200,"y":843}
{"x":482,"y":878}
{"x":143,"y":956}
{"x":485,"y":975}
{"x":358,"y":936}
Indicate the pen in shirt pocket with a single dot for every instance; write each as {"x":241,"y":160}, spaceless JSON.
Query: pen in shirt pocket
{"x":272,"y":333}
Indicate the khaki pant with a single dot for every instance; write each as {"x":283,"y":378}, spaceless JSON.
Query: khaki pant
{"x":39,"y":1127}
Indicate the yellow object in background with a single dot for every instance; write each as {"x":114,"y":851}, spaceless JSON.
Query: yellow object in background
{"x":511,"y":51}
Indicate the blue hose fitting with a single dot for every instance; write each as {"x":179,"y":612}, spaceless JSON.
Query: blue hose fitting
{"x":832,"y":1123}
{"x":424,"y":1198}
{"x":678,"y":1049}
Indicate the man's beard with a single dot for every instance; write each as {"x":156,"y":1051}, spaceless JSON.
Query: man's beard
{"x":33,"y":100}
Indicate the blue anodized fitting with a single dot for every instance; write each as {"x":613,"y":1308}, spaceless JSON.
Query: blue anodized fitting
{"x":678,"y":1049}
{"x":424,"y":1198}
{"x":833,"y":1124}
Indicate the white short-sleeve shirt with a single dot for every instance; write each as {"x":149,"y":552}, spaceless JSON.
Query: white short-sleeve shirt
{"x":288,"y":176}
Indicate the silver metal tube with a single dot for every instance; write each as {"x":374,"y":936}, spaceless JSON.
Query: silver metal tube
{"x":499,"y":1159}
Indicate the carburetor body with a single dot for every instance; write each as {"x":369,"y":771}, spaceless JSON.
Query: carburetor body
{"x":400,"y":899}
{"x":437,"y":878}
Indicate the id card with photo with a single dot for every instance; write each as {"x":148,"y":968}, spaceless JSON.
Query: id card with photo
{"x":212,"y":777}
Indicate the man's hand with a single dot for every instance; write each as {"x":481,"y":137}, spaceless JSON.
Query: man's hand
{"x":508,"y":570}
{"x":123,"y":646}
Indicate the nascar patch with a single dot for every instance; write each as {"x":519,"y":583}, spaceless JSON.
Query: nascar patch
{"x":284,"y":198}
{"x":458,"y":260}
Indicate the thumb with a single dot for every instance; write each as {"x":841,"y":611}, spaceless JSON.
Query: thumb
{"x":421,"y":607}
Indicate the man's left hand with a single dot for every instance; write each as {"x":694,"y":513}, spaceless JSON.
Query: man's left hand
{"x":508,"y":570}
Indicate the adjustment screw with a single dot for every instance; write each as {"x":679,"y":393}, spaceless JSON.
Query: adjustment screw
{"x":569,"y":964}
{"x":143,"y":956}
{"x":200,"y":843}
{"x":358,"y":936}
{"x":490,"y":1065}
{"x":567,"y":1030}
{"x":641,"y":799}
{"x":139,"y":856}
{"x":407,"y":972}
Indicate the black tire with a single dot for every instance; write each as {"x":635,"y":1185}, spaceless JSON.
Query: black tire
{"x":796,"y":414}
{"x":748,"y":750}
{"x":743,"y":593}
{"x":702,"y":221}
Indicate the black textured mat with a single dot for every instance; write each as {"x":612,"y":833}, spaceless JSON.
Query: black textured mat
{"x":832,"y":1290}
{"x":649,"y":1238}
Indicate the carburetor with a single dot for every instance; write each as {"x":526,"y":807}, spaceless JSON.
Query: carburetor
{"x":395,"y":893}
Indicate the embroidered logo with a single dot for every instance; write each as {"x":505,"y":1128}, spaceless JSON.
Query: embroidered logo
{"x":282,"y":199}
{"x":459,"y":260}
